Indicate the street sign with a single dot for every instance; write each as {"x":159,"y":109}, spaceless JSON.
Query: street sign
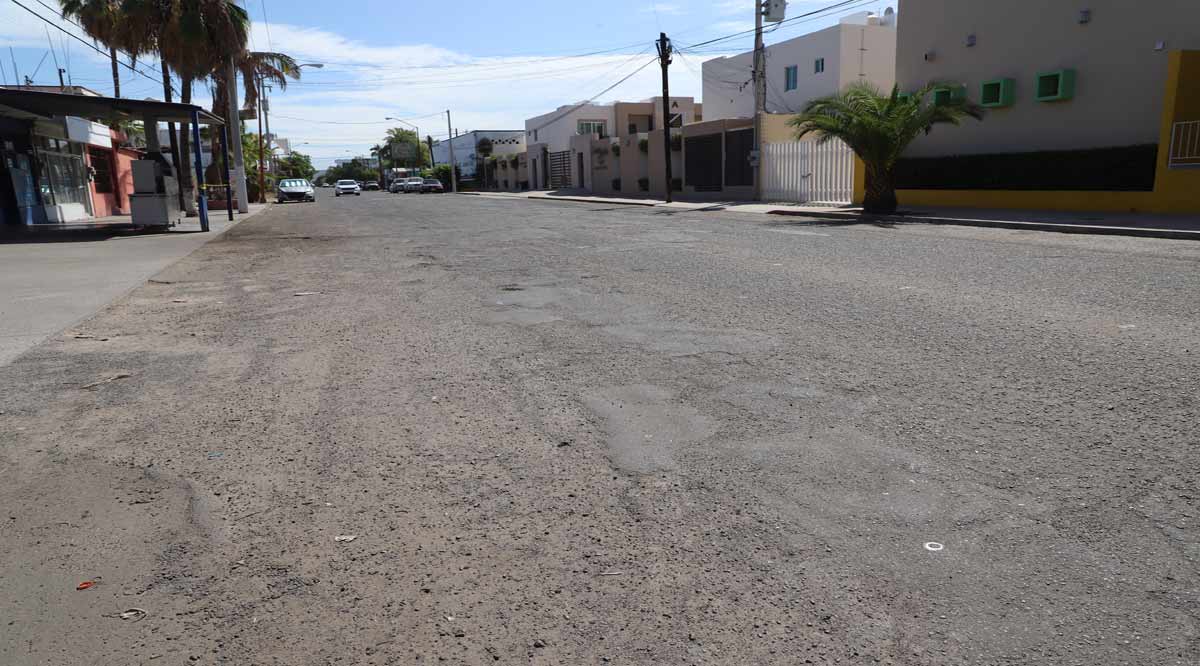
{"x":403,"y":151}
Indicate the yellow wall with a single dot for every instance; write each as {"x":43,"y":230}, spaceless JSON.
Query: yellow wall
{"x":1175,"y":190}
{"x":775,"y":128}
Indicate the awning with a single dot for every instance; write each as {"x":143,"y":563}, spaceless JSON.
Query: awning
{"x":104,"y":108}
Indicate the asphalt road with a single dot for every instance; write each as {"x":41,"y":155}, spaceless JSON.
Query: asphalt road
{"x":583,"y":434}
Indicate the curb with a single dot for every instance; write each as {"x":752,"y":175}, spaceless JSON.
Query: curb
{"x":649,"y":204}
{"x":1098,"y":230}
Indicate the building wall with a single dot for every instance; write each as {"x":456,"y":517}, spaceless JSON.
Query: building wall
{"x":857,"y":49}
{"x":1121,"y":74}
{"x":1175,"y":190}
{"x":504,"y":142}
{"x":556,"y":132}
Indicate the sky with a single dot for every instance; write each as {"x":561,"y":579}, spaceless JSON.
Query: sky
{"x":492,"y":64}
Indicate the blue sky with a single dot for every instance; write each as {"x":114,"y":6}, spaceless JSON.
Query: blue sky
{"x":492,"y":63}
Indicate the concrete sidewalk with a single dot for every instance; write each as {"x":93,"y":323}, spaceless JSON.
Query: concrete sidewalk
{"x":55,"y":278}
{"x":1119,"y":224}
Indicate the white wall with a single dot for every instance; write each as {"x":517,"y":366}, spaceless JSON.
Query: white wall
{"x":556,"y":132}
{"x":504,"y":142}
{"x":1121,"y":76}
{"x":858,"y":49}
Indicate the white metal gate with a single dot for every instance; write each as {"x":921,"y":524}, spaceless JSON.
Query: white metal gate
{"x":805,"y":172}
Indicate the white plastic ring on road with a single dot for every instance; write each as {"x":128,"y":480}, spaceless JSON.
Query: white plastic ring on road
{"x":933,"y":546}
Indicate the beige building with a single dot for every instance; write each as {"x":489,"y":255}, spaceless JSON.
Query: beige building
{"x":1089,"y":105}
{"x":861,"y":47}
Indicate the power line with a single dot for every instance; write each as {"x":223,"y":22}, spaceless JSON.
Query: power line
{"x":596,"y":96}
{"x":844,"y":4}
{"x":80,"y":39}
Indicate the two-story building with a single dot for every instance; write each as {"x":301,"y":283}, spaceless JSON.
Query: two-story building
{"x":567,"y":147}
{"x":861,"y":47}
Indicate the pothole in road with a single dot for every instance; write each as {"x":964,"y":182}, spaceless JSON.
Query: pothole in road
{"x":511,"y":287}
{"x":646,"y":425}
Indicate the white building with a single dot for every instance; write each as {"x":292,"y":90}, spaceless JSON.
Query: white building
{"x":555,"y":129}
{"x":504,"y":142}
{"x":862,"y":47}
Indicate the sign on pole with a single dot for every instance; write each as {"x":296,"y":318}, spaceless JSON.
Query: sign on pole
{"x":403,"y":151}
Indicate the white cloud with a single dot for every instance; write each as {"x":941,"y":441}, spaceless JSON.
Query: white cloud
{"x":661,"y":8}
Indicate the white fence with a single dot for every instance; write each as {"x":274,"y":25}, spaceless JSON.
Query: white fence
{"x":1185,"y":144}
{"x":805,"y":172}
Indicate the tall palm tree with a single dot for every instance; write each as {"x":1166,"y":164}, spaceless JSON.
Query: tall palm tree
{"x":102,"y":20}
{"x":879,"y":127}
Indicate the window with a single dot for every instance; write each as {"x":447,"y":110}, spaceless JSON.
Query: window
{"x":819,"y":66}
{"x":790,"y":77}
{"x":535,"y":136}
{"x":1056,"y":86}
{"x":998,"y":93}
{"x":943,"y":96}
{"x":593,"y":127}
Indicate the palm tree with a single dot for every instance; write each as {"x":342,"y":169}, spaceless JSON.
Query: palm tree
{"x":102,"y":21}
{"x":879,"y":127}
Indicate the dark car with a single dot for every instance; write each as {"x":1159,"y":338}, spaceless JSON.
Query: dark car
{"x":294,"y":189}
{"x":432,"y":185}
{"x":371,"y":185}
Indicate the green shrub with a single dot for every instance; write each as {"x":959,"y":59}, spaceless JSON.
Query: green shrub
{"x":644,"y":145}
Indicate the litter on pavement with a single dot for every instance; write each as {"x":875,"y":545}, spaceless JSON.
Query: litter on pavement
{"x":933,"y":546}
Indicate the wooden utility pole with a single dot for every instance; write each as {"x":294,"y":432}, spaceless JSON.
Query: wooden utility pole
{"x":664,"y":59}
{"x":453,"y":164}
{"x":760,"y":94}
{"x":262,"y":156}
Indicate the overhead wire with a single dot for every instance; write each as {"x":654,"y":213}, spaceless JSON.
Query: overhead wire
{"x":80,"y":39}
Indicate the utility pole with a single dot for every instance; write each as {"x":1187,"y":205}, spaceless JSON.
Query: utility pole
{"x":429,"y":142}
{"x":235,"y":127}
{"x":453,"y":164}
{"x":772,"y":11}
{"x":266,"y":111}
{"x":760,"y":94}
{"x":664,"y":59}
{"x":262,"y":156}
{"x":61,"y":83}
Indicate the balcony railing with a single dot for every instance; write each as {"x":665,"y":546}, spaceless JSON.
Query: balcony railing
{"x":1185,"y":145}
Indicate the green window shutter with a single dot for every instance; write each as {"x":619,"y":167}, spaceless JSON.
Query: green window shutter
{"x":998,"y":93}
{"x":948,"y":94}
{"x":1056,"y":86}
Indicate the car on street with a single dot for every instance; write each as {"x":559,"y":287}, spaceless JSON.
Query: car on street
{"x":295,"y":189}
{"x":347,"y":187}
{"x":371,"y":185}
{"x":397,"y":185}
{"x":413,"y":184}
{"x":432,"y":185}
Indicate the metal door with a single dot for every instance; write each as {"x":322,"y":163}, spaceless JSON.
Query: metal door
{"x":560,"y":170}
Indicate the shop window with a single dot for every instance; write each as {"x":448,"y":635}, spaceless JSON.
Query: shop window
{"x":102,"y":170}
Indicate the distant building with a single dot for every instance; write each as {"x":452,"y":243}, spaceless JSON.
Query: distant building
{"x":504,"y":142}
{"x":366,"y":160}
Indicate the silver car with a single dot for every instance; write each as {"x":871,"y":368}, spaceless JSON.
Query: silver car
{"x":413,"y":184}
{"x":295,"y":189}
{"x":347,"y":187}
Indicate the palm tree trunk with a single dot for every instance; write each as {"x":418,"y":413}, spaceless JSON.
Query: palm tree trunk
{"x":112,"y":55}
{"x":880,"y":195}
{"x":179,"y":157}
{"x":185,"y":145}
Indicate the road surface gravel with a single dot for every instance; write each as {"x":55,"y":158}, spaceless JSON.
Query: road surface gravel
{"x":583,"y":434}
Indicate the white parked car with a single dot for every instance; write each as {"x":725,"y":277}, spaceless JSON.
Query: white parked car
{"x":347,"y":187}
{"x":413,"y":184}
